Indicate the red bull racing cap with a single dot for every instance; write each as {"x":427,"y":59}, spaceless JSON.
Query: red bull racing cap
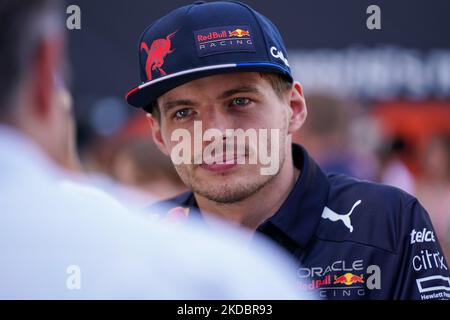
{"x":204,"y":39}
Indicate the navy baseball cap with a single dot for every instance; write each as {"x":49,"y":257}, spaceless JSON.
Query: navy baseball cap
{"x":204,"y":39}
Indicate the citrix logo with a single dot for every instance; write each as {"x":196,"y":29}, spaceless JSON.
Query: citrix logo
{"x":426,"y":260}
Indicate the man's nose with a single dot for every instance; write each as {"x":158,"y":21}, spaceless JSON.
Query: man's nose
{"x":218,"y":120}
{"x":219,"y":123}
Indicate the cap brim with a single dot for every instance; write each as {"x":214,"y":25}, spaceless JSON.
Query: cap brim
{"x":145,"y":94}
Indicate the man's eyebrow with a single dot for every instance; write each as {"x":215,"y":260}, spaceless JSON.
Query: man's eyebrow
{"x":228,"y":93}
{"x":240,"y":89}
{"x":174,"y":103}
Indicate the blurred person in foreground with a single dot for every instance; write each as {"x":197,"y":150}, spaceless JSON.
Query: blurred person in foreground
{"x":59,"y":243}
{"x":214,"y":73}
{"x":138,"y":162}
{"x":129,"y":166}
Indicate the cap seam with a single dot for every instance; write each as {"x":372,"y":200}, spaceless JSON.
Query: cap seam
{"x":259,"y":25}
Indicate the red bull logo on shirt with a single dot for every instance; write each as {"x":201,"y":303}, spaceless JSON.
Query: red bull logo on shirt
{"x":348,"y":279}
{"x":178,"y":214}
{"x":315,"y":283}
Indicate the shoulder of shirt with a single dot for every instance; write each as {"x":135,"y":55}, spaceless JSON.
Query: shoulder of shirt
{"x":89,"y":192}
{"x":340,"y":183}
{"x":381,"y":217}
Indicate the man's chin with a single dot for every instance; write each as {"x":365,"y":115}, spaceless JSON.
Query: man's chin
{"x":226,"y":170}
{"x":228,"y":189}
{"x":225,"y":195}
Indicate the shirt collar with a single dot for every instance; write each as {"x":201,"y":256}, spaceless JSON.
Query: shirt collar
{"x":299,"y":216}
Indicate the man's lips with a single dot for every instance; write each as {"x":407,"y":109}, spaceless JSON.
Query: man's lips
{"x":219,"y":164}
{"x":218,"y":167}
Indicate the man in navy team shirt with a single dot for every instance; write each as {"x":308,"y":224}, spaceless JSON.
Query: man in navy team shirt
{"x":222,"y":66}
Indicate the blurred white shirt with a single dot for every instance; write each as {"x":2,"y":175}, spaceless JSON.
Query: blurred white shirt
{"x":57,"y":243}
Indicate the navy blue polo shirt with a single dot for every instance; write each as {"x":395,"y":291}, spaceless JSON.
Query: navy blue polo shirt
{"x":353,"y":239}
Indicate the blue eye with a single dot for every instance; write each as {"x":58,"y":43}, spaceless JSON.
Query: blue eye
{"x":241,"y":102}
{"x":183,"y":113}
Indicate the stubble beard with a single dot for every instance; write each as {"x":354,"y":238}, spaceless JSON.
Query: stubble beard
{"x":226,"y":192}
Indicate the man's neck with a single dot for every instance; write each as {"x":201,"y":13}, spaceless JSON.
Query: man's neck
{"x":262,"y":205}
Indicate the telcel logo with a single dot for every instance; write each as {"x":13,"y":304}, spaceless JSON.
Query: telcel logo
{"x":422,"y":236}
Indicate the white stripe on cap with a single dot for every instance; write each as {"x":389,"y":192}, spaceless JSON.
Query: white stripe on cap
{"x":180,"y":73}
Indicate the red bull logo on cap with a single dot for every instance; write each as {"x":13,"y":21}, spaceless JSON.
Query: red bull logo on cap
{"x":158,"y":50}
{"x":348,"y":279}
{"x":223,"y":40}
{"x":239,"y":33}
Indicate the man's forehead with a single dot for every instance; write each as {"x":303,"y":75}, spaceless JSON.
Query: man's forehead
{"x":215,"y":85}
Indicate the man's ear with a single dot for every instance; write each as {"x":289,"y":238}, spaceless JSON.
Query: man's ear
{"x":155,"y":129}
{"x":297,"y":104}
{"x":46,"y":65}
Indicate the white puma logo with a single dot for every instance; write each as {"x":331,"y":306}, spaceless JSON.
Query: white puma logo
{"x":345,"y":218}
